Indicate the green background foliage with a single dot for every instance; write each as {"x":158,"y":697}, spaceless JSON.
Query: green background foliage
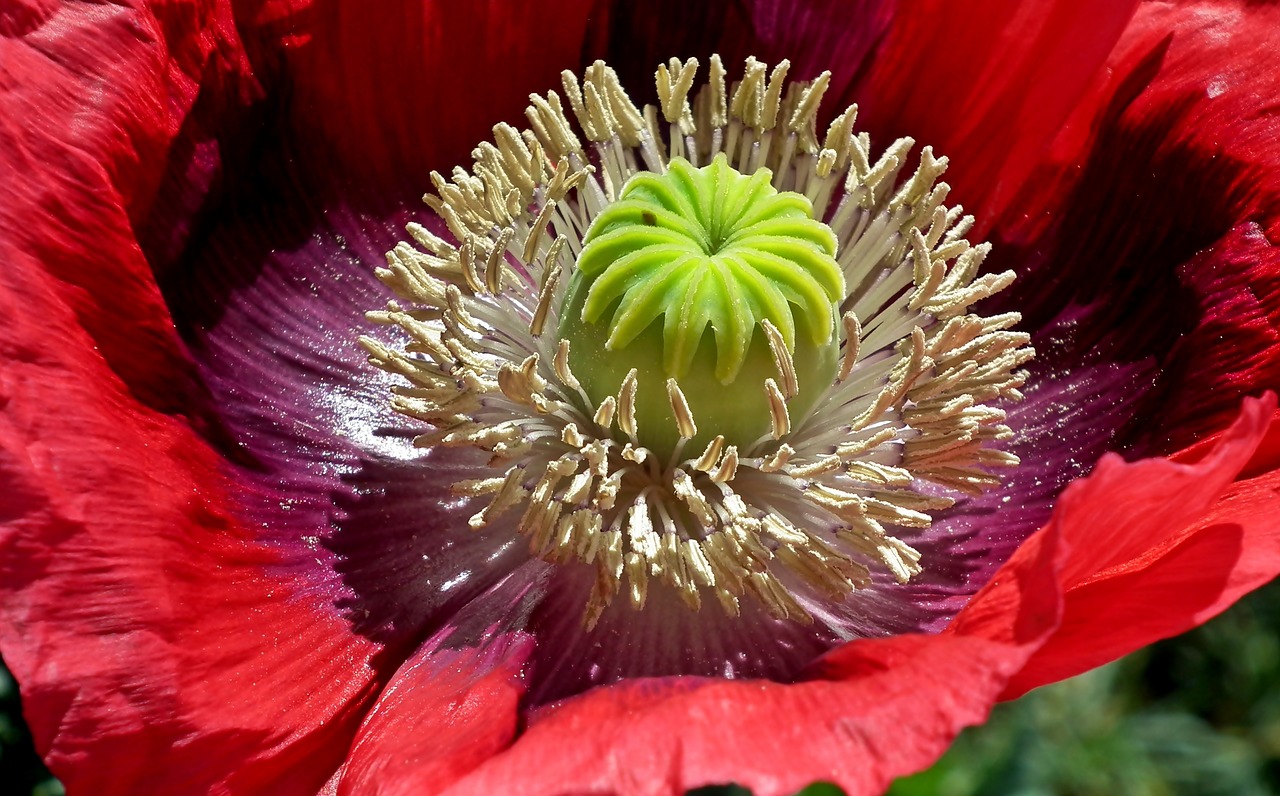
{"x":1197,"y":715}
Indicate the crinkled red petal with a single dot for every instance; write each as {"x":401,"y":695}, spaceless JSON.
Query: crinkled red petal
{"x":895,"y":715}
{"x":139,"y":616}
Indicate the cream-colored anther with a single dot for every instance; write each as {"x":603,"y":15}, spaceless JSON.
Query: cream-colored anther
{"x":693,"y":498}
{"x":782,"y":359}
{"x":573,"y":92}
{"x":494,"y":264}
{"x":710,"y":456}
{"x":674,"y":81}
{"x":510,"y":493}
{"x":680,"y":409}
{"x":717,"y":98}
{"x":852,"y":343}
{"x":520,"y":383}
{"x":772,"y":95}
{"x":728,"y":466}
{"x":469,"y":265}
{"x":572,"y":436}
{"x":627,"y":404}
{"x":778,"y":460}
{"x":780,"y":420}
{"x":561,"y":364}
{"x":604,"y":413}
{"x":550,"y":279}
{"x":803,"y":119}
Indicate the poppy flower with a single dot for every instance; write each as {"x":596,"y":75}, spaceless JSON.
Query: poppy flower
{"x":227,"y":568}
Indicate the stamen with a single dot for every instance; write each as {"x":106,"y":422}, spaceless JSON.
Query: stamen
{"x":627,"y":405}
{"x":680,"y":408}
{"x":878,"y":388}
{"x":710,"y":456}
{"x":778,"y":416}
{"x":782,"y":359}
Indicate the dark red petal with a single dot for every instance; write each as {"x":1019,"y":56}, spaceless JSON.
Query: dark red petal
{"x":1191,"y":86}
{"x":1164,"y":188}
{"x":1234,"y":350}
{"x":988,"y":83}
{"x":1154,"y":548}
{"x":383,"y":98}
{"x":817,"y":35}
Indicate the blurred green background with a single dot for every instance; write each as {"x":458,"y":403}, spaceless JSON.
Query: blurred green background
{"x":1199,"y":714}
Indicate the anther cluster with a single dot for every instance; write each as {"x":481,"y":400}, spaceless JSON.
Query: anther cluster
{"x":801,"y":516}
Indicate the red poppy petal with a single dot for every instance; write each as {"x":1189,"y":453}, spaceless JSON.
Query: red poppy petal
{"x":1154,"y":548}
{"x":413,"y":87}
{"x":664,"y":736}
{"x":987,"y":83}
{"x":441,"y":716}
{"x":451,"y":706}
{"x":91,"y":97}
{"x":1189,"y":80}
{"x":138,"y":618}
{"x":1235,"y":348}
{"x":141,"y":623}
{"x":888,"y":713}
{"x":1166,"y":184}
{"x":835,"y":35}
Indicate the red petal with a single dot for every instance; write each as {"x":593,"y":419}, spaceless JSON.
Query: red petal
{"x":1193,"y":82}
{"x":91,"y":98}
{"x":987,"y":83}
{"x":817,"y":35}
{"x":1234,"y":350}
{"x":665,"y":736}
{"x":444,"y":713}
{"x":1153,"y":548}
{"x":1128,"y":534}
{"x":140,"y":620}
{"x":413,"y":87}
{"x":881,"y":711}
{"x":1165,"y":184}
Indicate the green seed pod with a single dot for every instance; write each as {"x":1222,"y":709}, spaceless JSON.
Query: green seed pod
{"x":677,"y":278}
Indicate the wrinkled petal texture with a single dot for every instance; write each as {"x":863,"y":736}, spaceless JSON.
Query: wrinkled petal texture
{"x":127,"y":574}
{"x":220,"y":551}
{"x":144,"y":618}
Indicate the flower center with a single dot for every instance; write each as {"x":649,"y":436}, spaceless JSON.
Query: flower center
{"x":717,"y":281}
{"x":750,"y":379}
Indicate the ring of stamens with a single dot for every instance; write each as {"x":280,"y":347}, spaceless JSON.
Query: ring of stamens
{"x":796,"y":518}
